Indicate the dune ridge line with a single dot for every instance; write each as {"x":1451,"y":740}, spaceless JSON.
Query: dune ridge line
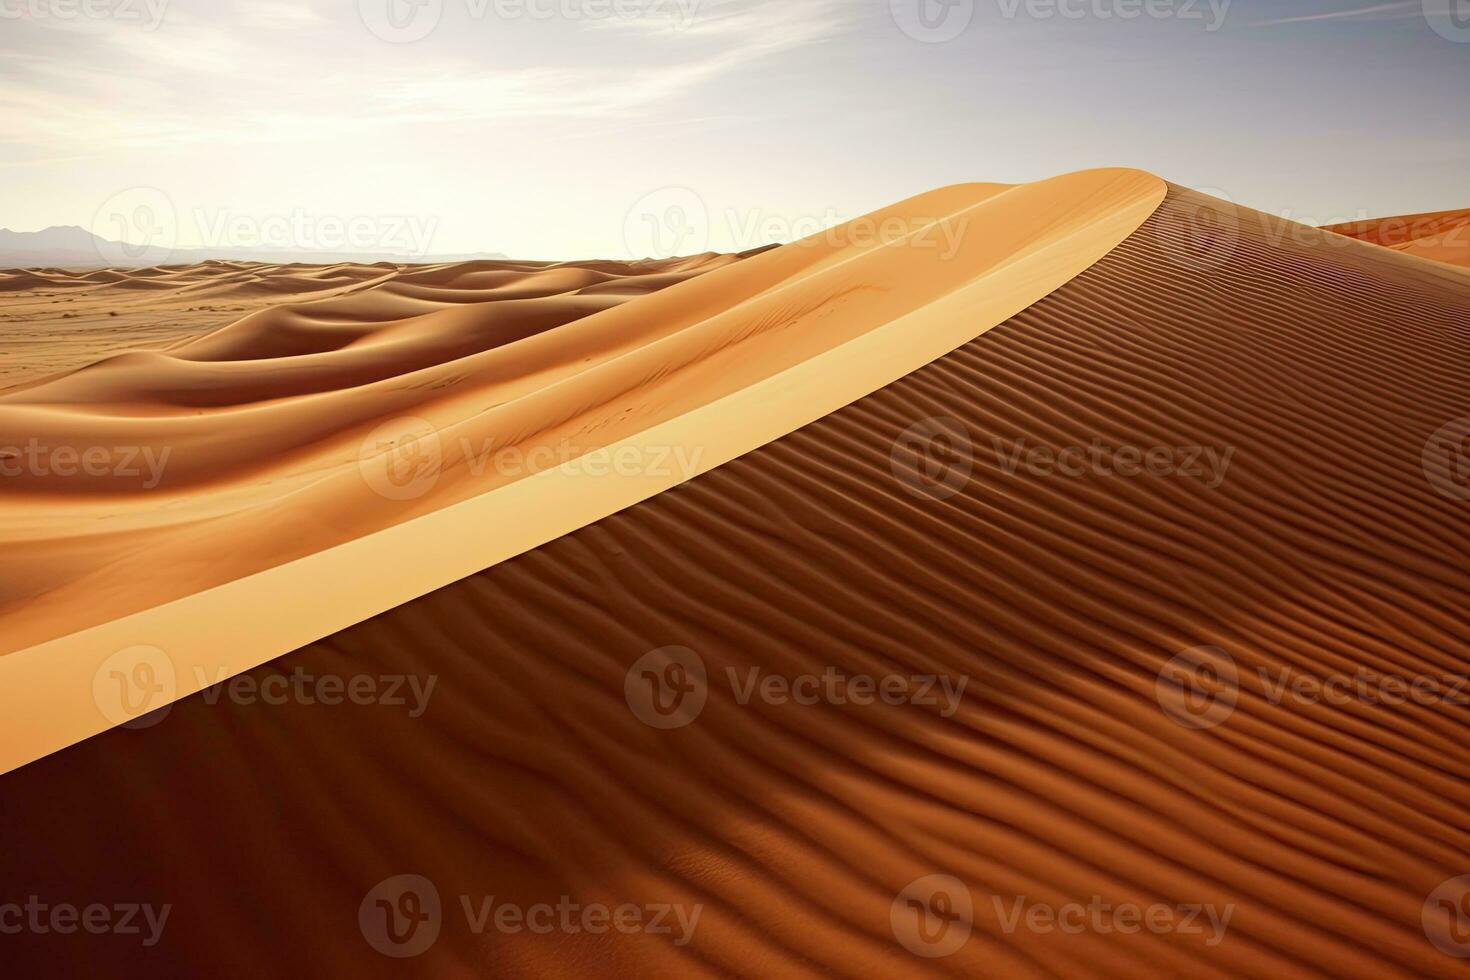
{"x":726,"y":385}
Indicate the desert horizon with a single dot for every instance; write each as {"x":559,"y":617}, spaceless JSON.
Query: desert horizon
{"x":972,"y":514}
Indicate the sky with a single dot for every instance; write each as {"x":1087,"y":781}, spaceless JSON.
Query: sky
{"x":562,"y":129}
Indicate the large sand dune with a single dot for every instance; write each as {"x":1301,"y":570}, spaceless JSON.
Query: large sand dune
{"x":209,"y":424}
{"x":312,"y":465}
{"x":1067,"y":773}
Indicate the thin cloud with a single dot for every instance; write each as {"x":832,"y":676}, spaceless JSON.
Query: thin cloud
{"x":797,"y":21}
{"x":236,"y":77}
{"x":278,"y":15}
{"x":1382,"y":11}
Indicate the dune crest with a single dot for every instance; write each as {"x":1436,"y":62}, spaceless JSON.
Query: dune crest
{"x":324,"y":465}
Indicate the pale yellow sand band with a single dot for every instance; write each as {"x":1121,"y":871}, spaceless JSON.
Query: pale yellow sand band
{"x":62,"y":691}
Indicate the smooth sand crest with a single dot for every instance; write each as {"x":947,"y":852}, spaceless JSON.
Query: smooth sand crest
{"x":1327,"y":547}
{"x":282,"y":518}
{"x":1443,"y":236}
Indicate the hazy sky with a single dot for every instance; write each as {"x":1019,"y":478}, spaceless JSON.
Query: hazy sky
{"x":562,"y":128}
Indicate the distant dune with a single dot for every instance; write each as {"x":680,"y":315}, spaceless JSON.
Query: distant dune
{"x":58,"y":320}
{"x":231,"y":423}
{"x":69,"y":247}
{"x":1291,"y":382}
{"x":1443,"y":236}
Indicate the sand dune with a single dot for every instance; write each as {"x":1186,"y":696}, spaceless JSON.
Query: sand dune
{"x":59,"y":321}
{"x":1064,"y":774}
{"x":391,"y":449}
{"x":1443,"y":236}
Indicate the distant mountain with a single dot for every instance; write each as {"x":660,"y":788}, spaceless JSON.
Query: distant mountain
{"x":56,"y":238}
{"x":71,"y":247}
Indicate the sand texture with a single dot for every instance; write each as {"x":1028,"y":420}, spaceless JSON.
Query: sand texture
{"x":896,"y":536}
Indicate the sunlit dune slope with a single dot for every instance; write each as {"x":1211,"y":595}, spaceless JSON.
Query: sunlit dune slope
{"x":193,"y":423}
{"x":860,"y":543}
{"x":1443,"y":236}
{"x":296,"y":436}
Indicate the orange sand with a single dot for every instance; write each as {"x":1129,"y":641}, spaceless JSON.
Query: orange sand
{"x":1065,"y":776}
{"x":318,"y":464}
{"x":1443,"y":236}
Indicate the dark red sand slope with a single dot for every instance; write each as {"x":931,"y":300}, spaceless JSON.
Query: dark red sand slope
{"x":1069,"y":777}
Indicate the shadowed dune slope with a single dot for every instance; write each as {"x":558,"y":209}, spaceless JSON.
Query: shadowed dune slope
{"x":1443,"y":236}
{"x":1322,"y":548}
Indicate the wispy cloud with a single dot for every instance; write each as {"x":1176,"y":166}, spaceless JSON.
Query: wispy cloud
{"x":279,"y":15}
{"x":1380,"y":11}
{"x":792,"y":22}
{"x":272,"y":72}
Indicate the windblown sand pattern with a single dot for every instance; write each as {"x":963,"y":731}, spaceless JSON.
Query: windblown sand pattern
{"x":1325,"y":546}
{"x":313,"y":465}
